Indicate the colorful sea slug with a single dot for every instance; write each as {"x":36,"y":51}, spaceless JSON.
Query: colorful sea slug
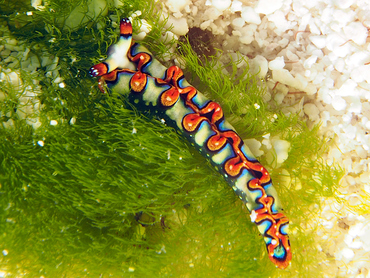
{"x":131,"y":70}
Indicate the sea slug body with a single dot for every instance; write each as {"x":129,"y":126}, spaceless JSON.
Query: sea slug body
{"x":131,"y":70}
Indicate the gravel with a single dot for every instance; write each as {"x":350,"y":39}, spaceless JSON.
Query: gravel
{"x":319,"y":53}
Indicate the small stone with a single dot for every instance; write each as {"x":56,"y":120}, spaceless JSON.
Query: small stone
{"x":310,"y":61}
{"x":259,"y":66}
{"x":238,"y":22}
{"x":277,"y":64}
{"x":338,"y":103}
{"x":179,"y":26}
{"x":278,"y":18}
{"x":236,"y":6}
{"x":268,"y":6}
{"x":318,"y":41}
{"x":348,"y":253}
{"x":347,"y":89}
{"x":281,"y":148}
{"x":334,"y":41}
{"x":177,"y":6}
{"x":343,"y":4}
{"x":359,"y":58}
{"x":311,"y":111}
{"x":221,"y":5}
{"x":361,"y":73}
{"x":250,"y":15}
{"x":356,"y":32}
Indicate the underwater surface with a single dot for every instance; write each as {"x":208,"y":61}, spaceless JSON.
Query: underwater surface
{"x":92,"y":186}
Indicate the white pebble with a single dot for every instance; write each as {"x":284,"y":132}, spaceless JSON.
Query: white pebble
{"x":313,"y":27}
{"x":279,"y":97}
{"x":338,"y":45}
{"x":247,"y":33}
{"x":335,"y":153}
{"x":292,"y":56}
{"x":343,"y":4}
{"x":179,"y":26}
{"x":327,"y":15}
{"x":350,"y":131}
{"x":340,"y":65}
{"x":311,"y":111}
{"x":205,"y":24}
{"x":356,"y":32}
{"x":238,"y":22}
{"x":347,"y":89}
{"x":323,"y":94}
{"x":221,"y":5}
{"x":359,"y":58}
{"x":327,"y":224}
{"x":145,"y":28}
{"x":194,"y":10}
{"x":250,"y":15}
{"x":266,"y":141}
{"x":236,"y":6}
{"x":361,"y":73}
{"x":236,"y":33}
{"x":304,"y":21}
{"x":345,"y":18}
{"x":37,"y":4}
{"x":283,"y":42}
{"x":299,"y":9}
{"x":318,"y":41}
{"x":281,"y":148}
{"x":348,"y":253}
{"x":259,"y":66}
{"x":268,"y":6}
{"x":278,"y":18}
{"x":212,"y":13}
{"x":140,"y":36}
{"x":177,"y":5}
{"x":254,"y":145}
{"x":12,"y":77}
{"x":310,"y":89}
{"x":277,"y":64}
{"x":310,"y":61}
{"x":338,"y":103}
{"x":285,"y":77}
